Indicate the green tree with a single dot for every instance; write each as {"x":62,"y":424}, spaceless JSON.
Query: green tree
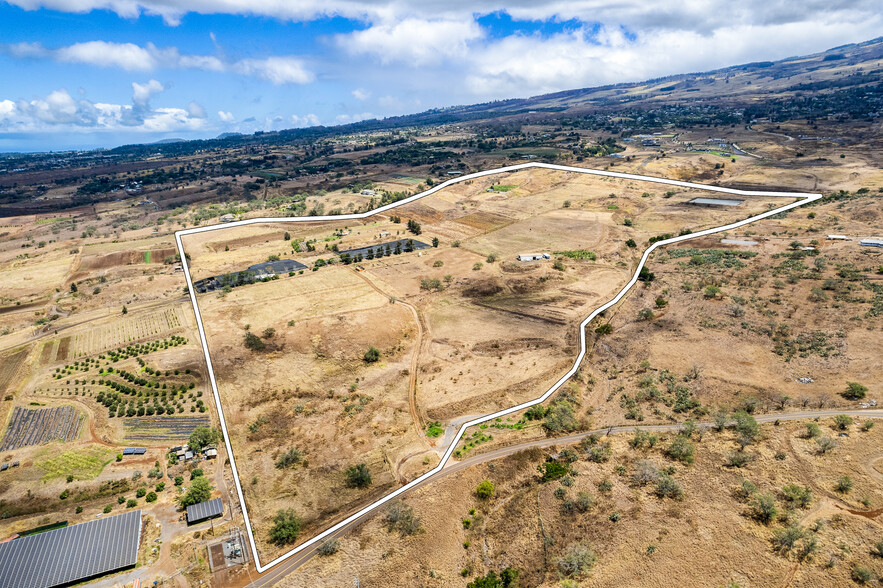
{"x":200,"y":490}
{"x":202,"y":436}
{"x":485,"y":490}
{"x":855,"y":391}
{"x":508,"y":578}
{"x":372,"y":355}
{"x":286,"y":527}
{"x":842,"y":422}
{"x":435,"y":241}
{"x":254,"y":342}
{"x":358,"y":476}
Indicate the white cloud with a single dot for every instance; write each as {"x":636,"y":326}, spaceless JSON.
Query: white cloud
{"x":277,"y":70}
{"x":141,"y":93}
{"x":226,"y":117}
{"x":584,"y":58}
{"x":307,"y":120}
{"x":195,"y":110}
{"x":60,"y":112}
{"x":413,"y":41}
{"x":360,"y":94}
{"x":352,"y":118}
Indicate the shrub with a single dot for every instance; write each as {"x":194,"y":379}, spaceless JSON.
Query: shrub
{"x":577,"y":560}
{"x":254,"y":343}
{"x":328,"y":547}
{"x":668,"y":487}
{"x":604,"y":329}
{"x":711,"y":292}
{"x":108,"y":508}
{"x":826,"y":444}
{"x":372,"y":355}
{"x":630,"y":243}
{"x":132,"y":503}
{"x":508,"y":578}
{"x":358,"y":476}
{"x":552,"y":470}
{"x":842,"y":422}
{"x":79,"y":509}
{"x":485,"y":490}
{"x":400,"y":517}
{"x":645,"y":314}
{"x":785,"y":539}
{"x":64,"y":495}
{"x":151,"y":497}
{"x":796,"y":495}
{"x":645,"y":472}
{"x":812,"y":431}
{"x":140,"y":492}
{"x":179,"y":480}
{"x":286,"y":527}
{"x":844,"y":484}
{"x":737,"y":459}
{"x":763,"y":508}
{"x":161,"y":486}
{"x":196,"y":473}
{"x":203,"y":436}
{"x":681,"y":449}
{"x":560,"y":418}
{"x":290,"y":458}
{"x":862,"y":575}
{"x":855,"y":391}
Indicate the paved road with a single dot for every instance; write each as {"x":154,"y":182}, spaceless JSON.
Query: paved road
{"x":288,"y":566}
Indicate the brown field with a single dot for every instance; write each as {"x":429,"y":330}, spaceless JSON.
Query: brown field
{"x":455,"y":349}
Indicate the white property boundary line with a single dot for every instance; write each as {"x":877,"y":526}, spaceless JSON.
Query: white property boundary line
{"x":804,"y":198}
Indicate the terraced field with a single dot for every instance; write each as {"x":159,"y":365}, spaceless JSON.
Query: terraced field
{"x":38,"y":426}
{"x":163,"y":428}
{"x":122,"y":332}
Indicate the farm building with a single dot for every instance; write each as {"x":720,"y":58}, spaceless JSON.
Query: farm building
{"x":367,"y":192}
{"x":533,"y":256}
{"x":269,"y":269}
{"x":871,"y":242}
{"x":71,"y":554}
{"x":714,"y":202}
{"x":837,"y":238}
{"x":738,"y":242}
{"x":390,"y":248}
{"x":253,"y":273}
{"x":203,"y":511}
{"x":210,"y":453}
{"x":227,"y":218}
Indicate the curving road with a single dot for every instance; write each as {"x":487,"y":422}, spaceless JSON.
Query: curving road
{"x":278,"y":572}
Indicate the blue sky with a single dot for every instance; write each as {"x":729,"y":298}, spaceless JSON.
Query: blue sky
{"x":89,"y":73}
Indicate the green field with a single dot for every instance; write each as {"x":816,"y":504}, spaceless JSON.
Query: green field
{"x":83,"y":464}
{"x":147,"y":257}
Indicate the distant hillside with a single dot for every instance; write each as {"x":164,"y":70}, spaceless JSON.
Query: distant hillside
{"x":846,"y":67}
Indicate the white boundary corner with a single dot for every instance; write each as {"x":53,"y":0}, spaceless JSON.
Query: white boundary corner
{"x":804,"y":198}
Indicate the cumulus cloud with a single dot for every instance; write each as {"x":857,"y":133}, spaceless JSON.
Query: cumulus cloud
{"x":414,"y":41}
{"x":130,"y":57}
{"x":307,"y":120}
{"x":277,"y":70}
{"x":226,"y":117}
{"x":59,"y":111}
{"x":353,"y":118}
{"x":360,"y":94}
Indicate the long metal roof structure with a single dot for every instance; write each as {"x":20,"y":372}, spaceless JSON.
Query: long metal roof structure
{"x":71,"y":554}
{"x":204,"y":510}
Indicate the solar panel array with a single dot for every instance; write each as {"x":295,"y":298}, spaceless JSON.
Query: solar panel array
{"x":71,"y":554}
{"x":204,"y":510}
{"x":37,"y":426}
{"x":134,"y":451}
